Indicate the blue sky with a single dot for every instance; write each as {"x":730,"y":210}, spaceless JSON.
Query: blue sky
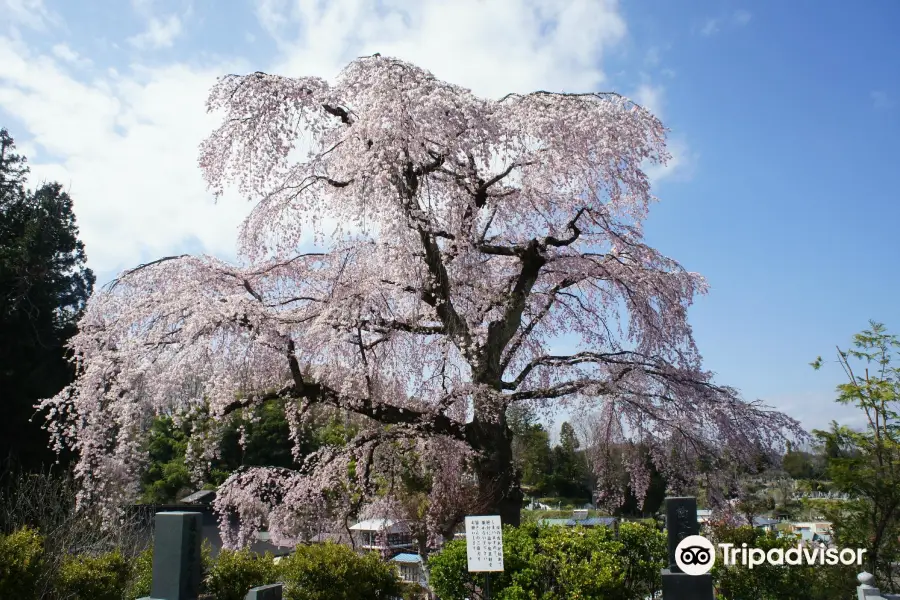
{"x":784,"y":117}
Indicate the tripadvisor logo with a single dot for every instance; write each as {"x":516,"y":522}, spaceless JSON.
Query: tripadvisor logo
{"x":695,"y":555}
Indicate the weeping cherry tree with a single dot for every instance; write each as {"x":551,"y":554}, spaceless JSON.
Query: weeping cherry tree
{"x":414,"y":255}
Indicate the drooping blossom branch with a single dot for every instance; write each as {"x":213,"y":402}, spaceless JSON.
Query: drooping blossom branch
{"x":457,"y":239}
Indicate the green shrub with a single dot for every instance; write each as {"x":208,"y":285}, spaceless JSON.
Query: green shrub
{"x":234,"y":573}
{"x":335,"y":572}
{"x":141,"y":575}
{"x":21,"y":556}
{"x":777,"y":582}
{"x":558,"y":563}
{"x":103,"y":577}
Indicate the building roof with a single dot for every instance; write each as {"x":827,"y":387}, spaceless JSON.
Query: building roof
{"x":200,"y":497}
{"x":407,"y":557}
{"x":599,"y":521}
{"x":764,"y":522}
{"x":379,"y":525}
{"x":592,"y":522}
{"x":556,"y":522}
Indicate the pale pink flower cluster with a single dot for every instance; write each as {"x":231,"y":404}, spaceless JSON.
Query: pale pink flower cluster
{"x":459,"y":238}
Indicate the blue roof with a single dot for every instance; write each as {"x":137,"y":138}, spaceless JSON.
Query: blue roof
{"x":406,"y":557}
{"x":599,"y":521}
{"x":556,"y":522}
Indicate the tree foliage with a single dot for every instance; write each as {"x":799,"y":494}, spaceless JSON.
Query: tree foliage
{"x":776,"y":582}
{"x":865,"y":464}
{"x":44,"y":285}
{"x":456,"y":238}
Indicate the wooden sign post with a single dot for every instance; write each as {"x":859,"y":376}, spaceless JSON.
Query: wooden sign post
{"x":484,"y":547}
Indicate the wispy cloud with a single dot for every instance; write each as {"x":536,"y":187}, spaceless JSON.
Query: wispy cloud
{"x":683,"y":160}
{"x":148,"y":120}
{"x":710,"y":27}
{"x":741,"y":17}
{"x":881,"y":100}
{"x":66,"y":54}
{"x":713,"y":25}
{"x":160,"y":33}
{"x":32,"y":14}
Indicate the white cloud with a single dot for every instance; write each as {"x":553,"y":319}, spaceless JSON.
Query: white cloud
{"x":127,"y":148}
{"x":710,"y":26}
{"x":29,"y":13}
{"x":160,"y":33}
{"x":64,"y":53}
{"x":492,"y":47}
{"x":683,"y":161}
{"x":650,"y":97}
{"x":126,"y":142}
{"x":713,"y":25}
{"x":742,"y":17}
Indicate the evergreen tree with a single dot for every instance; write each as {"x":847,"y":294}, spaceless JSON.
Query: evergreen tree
{"x":44,"y":285}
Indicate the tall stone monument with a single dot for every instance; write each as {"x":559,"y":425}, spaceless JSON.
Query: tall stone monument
{"x":177,"y":569}
{"x":681,"y":522}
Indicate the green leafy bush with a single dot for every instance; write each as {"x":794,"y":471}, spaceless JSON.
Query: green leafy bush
{"x":335,"y":572}
{"x":777,"y":582}
{"x":234,"y":573}
{"x":141,"y":575}
{"x":103,"y":577}
{"x":21,"y":555}
{"x":558,"y":563}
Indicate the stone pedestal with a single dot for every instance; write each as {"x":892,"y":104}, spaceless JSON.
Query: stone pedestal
{"x":265,"y":592}
{"x":681,"y":586}
{"x":177,"y":570}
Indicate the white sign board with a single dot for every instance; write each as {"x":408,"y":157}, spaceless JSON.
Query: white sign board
{"x":484,"y":543}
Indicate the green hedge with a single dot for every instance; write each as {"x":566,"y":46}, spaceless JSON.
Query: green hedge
{"x":335,"y":572}
{"x":103,"y":577}
{"x":560,"y":563}
{"x":318,"y":572}
{"x":21,"y":556}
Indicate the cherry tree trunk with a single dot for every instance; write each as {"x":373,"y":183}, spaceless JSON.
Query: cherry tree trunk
{"x":498,"y":481}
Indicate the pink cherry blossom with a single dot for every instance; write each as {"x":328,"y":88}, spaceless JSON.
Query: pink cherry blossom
{"x":457,"y":239}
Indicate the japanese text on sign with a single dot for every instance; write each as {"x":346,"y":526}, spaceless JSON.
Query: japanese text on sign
{"x":484,"y":543}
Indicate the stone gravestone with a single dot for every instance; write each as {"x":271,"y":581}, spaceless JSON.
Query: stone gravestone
{"x":681,"y":522}
{"x":177,"y":570}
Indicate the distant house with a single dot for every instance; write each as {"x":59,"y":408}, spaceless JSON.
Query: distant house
{"x":765,"y":524}
{"x":383,"y":535}
{"x":703,"y":515}
{"x":589,"y":522}
{"x":411,"y":566}
{"x":813,"y":531}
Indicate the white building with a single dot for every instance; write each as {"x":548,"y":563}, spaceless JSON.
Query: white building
{"x":383,"y":535}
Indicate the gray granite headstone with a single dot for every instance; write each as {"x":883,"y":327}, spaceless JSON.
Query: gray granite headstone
{"x":681,"y":522}
{"x":177,"y":569}
{"x":265,"y":592}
